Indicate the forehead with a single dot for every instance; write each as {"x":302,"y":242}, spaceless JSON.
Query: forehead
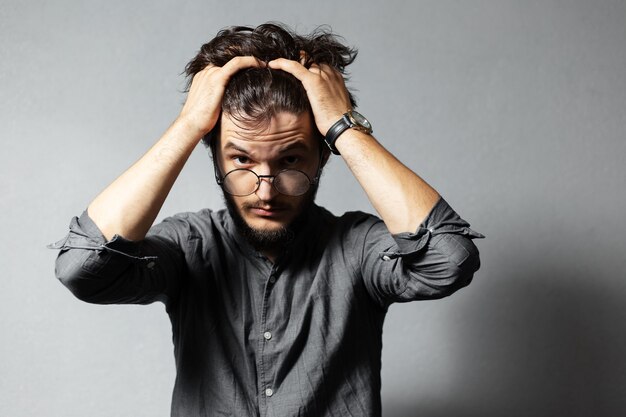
{"x":284,"y":131}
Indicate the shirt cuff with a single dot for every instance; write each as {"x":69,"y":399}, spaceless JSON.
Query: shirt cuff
{"x":85,"y":234}
{"x":441,"y":219}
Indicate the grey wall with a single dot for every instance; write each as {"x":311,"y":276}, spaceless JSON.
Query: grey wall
{"x":514,"y":110}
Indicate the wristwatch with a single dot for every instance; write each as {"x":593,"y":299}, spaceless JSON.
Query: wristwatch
{"x":351,"y":119}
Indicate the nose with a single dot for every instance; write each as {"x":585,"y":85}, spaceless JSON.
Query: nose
{"x":266,"y":190}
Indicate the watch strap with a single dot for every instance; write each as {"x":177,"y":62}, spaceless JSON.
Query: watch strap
{"x":335,"y":130}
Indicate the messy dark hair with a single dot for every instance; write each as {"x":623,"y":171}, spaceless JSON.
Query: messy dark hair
{"x":254,"y":95}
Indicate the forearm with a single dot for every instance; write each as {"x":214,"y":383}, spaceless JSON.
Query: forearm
{"x":401,"y":197}
{"x":129,"y":205}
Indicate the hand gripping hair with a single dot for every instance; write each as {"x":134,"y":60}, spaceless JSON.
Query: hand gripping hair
{"x":254,"y":95}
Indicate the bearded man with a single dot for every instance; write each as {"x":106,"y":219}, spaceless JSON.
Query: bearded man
{"x":277,"y":305}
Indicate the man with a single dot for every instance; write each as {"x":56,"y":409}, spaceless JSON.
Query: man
{"x":277,"y":306}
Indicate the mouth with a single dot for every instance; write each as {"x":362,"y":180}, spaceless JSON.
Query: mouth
{"x":268,"y":212}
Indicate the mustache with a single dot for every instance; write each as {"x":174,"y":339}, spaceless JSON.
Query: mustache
{"x":264,"y":205}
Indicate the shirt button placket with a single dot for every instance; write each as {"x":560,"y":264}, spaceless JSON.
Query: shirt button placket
{"x":268,"y":391}
{"x":267,"y":335}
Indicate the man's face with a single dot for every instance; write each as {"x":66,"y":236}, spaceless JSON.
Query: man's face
{"x":287,"y":143}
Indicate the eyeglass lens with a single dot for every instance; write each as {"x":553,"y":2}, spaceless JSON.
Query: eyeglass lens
{"x":242,"y":182}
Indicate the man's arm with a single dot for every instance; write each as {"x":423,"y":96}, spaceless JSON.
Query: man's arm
{"x":424,"y":250}
{"x":400,"y":196}
{"x":107,"y":257}
{"x":129,"y":205}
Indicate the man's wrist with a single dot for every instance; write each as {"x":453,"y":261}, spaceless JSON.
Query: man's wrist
{"x":350,"y":139}
{"x":186,"y":127}
{"x":352,"y":120}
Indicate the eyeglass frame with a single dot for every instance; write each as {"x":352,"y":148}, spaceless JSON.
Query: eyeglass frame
{"x":220,"y":180}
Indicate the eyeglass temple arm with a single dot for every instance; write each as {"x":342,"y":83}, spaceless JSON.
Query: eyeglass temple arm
{"x":319,"y":166}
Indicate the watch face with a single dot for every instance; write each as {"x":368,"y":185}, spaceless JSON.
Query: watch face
{"x":360,"y":120}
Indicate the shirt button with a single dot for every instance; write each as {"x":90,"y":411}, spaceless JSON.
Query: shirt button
{"x":272,"y":279}
{"x":151,"y":264}
{"x":386,"y":258}
{"x":267,"y":335}
{"x":269,"y":392}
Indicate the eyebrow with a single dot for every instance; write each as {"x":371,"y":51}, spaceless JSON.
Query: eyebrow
{"x":294,"y":145}
{"x":231,"y":145}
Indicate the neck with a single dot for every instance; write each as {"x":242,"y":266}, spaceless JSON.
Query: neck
{"x":271,"y":254}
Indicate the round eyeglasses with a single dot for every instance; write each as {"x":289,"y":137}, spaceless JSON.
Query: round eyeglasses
{"x":242,"y":182}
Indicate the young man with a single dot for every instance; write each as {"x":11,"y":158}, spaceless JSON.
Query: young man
{"x":277,"y":306}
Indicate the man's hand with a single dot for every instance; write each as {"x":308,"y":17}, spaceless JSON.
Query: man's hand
{"x":325,"y":89}
{"x":204,"y":101}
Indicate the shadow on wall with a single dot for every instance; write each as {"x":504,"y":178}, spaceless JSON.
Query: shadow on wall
{"x":544,"y":341}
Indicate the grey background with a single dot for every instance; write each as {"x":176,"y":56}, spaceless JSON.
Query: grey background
{"x":514,"y":110}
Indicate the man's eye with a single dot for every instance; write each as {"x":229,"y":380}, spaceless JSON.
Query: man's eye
{"x":241,"y":160}
{"x":291,"y":160}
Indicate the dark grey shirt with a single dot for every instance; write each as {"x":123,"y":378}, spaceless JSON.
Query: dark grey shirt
{"x":301,"y":337}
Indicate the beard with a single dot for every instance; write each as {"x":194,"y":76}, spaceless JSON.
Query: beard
{"x":262,"y":239}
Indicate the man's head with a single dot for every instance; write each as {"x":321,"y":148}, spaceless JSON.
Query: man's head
{"x":266,"y":124}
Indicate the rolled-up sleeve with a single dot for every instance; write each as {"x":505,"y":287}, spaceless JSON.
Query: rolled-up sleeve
{"x":120,"y":271}
{"x":434,"y":262}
